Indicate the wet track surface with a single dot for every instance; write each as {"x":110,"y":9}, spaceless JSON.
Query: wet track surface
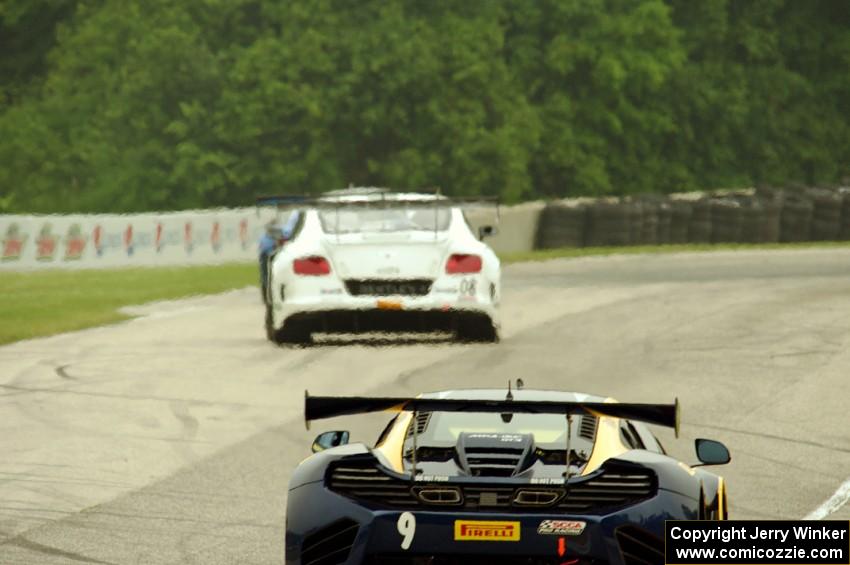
{"x":170,"y":438}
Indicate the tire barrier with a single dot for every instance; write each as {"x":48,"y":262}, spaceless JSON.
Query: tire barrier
{"x":561,"y":225}
{"x":609,"y":224}
{"x":844,"y":233}
{"x":725,"y":221}
{"x":826,"y":214}
{"x":763,"y":215}
{"x":771,"y":225}
{"x":699,"y":228}
{"x":635,"y":212}
{"x":796,"y":220}
{"x":752,"y":220}
{"x":665,"y":217}
{"x":649,"y":224}
{"x":680,"y":221}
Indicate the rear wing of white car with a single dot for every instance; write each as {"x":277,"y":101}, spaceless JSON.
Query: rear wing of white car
{"x":379,"y":198}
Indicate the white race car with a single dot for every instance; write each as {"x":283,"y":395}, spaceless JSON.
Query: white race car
{"x":369,"y":260}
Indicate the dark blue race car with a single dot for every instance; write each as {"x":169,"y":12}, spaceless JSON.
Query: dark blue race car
{"x":489,"y":477}
{"x":273,"y":239}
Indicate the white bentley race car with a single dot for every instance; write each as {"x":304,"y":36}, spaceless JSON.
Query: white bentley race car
{"x":369,"y":260}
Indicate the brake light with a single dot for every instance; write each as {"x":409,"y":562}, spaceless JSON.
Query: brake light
{"x":313,"y":265}
{"x":463,"y":263}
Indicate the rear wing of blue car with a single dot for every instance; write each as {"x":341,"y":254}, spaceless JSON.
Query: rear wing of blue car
{"x":320,"y":407}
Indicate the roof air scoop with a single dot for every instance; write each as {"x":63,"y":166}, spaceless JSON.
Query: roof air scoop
{"x":494,"y":455}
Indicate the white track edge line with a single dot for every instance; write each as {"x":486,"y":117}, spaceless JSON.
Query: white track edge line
{"x":832,"y":504}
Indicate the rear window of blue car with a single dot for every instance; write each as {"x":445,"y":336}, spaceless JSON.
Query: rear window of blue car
{"x":549,"y":430}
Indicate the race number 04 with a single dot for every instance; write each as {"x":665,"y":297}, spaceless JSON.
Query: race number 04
{"x":467,"y":287}
{"x":407,"y":528}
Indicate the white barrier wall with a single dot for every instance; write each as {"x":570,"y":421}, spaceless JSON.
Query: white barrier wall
{"x":517,"y":226}
{"x":93,"y":241}
{"x":201,"y":237}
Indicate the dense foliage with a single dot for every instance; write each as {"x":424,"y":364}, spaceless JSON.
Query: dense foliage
{"x":122,"y":105}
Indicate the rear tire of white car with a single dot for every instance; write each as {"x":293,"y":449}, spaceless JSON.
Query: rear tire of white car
{"x":291,"y":333}
{"x":477,"y":331}
{"x":270,"y":331}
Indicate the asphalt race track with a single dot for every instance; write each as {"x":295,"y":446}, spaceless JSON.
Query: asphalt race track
{"x":170,"y":438}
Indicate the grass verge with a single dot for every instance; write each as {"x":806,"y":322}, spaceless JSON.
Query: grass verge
{"x":41,"y":303}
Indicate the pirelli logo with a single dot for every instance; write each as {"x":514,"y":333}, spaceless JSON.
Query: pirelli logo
{"x":478,"y":530}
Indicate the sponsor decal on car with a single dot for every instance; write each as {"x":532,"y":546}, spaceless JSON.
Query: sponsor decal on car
{"x":561,"y":527}
{"x":446,"y":289}
{"x":485,"y":530}
{"x":547,"y":481}
{"x":75,"y":243}
{"x":390,"y":288}
{"x":13,"y":243}
{"x":432,"y":478}
{"x":509,"y":438}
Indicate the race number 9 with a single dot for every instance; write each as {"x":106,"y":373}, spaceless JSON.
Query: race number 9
{"x":407,"y":528}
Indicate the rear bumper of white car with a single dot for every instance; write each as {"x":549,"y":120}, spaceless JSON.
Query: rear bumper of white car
{"x":388,"y":321}
{"x":328,"y":305}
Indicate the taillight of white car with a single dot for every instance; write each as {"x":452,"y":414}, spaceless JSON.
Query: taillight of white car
{"x":314,"y":265}
{"x":461,"y":263}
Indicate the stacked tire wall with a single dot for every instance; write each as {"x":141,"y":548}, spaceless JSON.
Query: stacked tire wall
{"x":762,"y":215}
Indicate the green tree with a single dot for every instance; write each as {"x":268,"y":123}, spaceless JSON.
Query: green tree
{"x":121,"y":105}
